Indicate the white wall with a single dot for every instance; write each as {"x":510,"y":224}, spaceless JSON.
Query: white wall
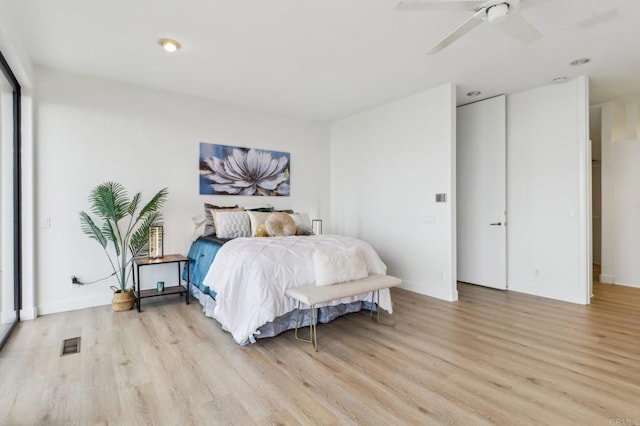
{"x":612,"y":128}
{"x":12,"y":48}
{"x":547,"y":191}
{"x":387,"y":164}
{"x":626,"y":171}
{"x":620,"y":198}
{"x":90,"y":130}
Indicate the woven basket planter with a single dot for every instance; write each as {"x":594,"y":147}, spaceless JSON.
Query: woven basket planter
{"x":123,"y":301}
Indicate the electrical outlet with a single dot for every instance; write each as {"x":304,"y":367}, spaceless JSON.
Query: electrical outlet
{"x":74,"y":280}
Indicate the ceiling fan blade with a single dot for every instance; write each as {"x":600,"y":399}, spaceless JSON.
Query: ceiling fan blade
{"x":467,"y":26}
{"x":519,"y":28}
{"x":439,"y":4}
{"x":598,"y":18}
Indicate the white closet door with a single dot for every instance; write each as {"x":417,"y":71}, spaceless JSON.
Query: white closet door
{"x":481,"y":193}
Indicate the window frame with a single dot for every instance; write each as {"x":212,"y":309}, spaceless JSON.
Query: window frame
{"x":17,"y":194}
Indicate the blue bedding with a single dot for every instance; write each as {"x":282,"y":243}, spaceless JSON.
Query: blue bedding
{"x":201,"y":255}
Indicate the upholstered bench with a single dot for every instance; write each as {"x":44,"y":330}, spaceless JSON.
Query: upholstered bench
{"x":311,"y":295}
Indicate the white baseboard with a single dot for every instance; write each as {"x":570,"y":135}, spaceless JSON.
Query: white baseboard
{"x":628,"y":285}
{"x":549,"y":293}
{"x":607,"y":279}
{"x":7,"y":317}
{"x":75,"y":304}
{"x":438,"y":291}
{"x":27,"y":314}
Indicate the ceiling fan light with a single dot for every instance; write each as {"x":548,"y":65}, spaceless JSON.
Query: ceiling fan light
{"x":497,"y":13}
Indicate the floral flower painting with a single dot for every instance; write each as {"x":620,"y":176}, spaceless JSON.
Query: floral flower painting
{"x":231,"y":170}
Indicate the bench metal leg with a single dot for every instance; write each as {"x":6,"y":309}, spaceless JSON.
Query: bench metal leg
{"x":393,"y":317}
{"x":313,"y":337}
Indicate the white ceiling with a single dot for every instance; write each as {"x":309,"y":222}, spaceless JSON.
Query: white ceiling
{"x":326,"y":59}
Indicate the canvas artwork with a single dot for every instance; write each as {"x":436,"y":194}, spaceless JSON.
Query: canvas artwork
{"x":232,"y":170}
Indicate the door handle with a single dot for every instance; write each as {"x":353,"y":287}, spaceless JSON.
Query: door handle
{"x":496,"y":224}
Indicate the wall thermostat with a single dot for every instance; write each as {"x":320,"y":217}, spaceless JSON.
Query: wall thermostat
{"x":441,"y":198}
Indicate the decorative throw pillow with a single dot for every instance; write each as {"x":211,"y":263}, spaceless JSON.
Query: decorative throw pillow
{"x":339,"y":265}
{"x":261,"y":231}
{"x":210,"y":226}
{"x":303,"y":223}
{"x":232,"y":224}
{"x":257,"y":219}
{"x":280,"y":225}
{"x":199,"y":223}
{"x":270,"y":209}
{"x":213,"y":212}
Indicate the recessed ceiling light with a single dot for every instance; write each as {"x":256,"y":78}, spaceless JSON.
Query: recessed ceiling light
{"x":474,"y":93}
{"x":580,"y":61}
{"x":169,"y":45}
{"x":559,"y":80}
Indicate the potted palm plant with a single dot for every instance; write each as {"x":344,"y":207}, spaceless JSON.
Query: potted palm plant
{"x":122,"y":231}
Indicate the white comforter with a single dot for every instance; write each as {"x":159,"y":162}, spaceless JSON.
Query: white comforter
{"x":251,"y":275}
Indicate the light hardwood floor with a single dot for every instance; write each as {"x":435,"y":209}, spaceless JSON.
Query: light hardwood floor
{"x":492,"y":357}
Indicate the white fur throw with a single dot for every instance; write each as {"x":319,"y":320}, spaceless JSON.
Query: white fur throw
{"x":339,"y":265}
{"x":280,"y":225}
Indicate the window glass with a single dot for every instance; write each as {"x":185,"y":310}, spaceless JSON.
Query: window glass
{"x":9,"y":140}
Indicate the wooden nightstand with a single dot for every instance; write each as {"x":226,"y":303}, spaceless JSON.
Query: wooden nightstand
{"x":174,"y":289}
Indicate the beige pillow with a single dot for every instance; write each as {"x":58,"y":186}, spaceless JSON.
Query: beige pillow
{"x":303,"y":223}
{"x":280,"y":225}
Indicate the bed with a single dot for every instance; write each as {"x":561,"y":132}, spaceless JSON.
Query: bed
{"x":241,"y":282}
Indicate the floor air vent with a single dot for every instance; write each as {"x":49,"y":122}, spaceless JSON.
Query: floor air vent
{"x":70,"y":346}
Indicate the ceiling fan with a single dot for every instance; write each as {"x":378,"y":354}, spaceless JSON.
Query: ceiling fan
{"x":503,"y":14}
